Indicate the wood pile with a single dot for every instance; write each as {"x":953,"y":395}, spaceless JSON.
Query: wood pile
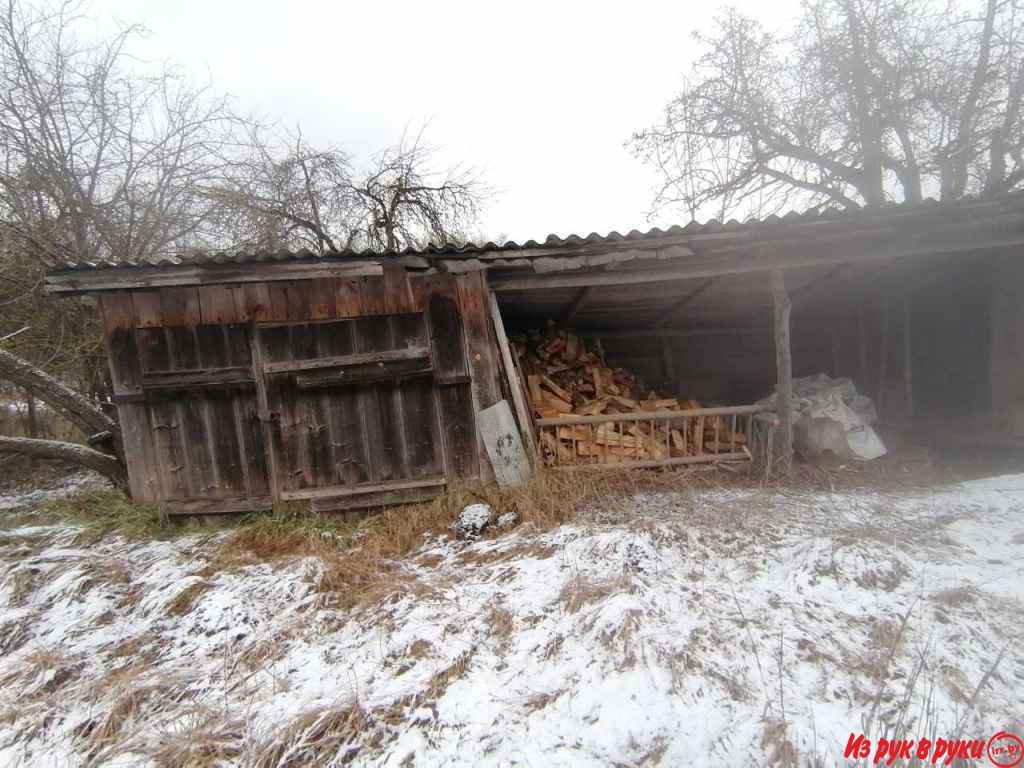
{"x":566,"y":379}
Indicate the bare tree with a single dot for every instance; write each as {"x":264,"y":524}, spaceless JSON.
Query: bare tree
{"x":863,"y":102}
{"x":101,"y":157}
{"x":321,"y":199}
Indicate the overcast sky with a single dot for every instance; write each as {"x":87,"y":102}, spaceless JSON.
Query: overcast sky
{"x":539,"y":96}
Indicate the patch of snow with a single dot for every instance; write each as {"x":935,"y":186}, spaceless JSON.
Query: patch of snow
{"x":716,"y":628}
{"x":68,"y":486}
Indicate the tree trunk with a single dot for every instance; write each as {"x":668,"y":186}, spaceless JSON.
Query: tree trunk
{"x":107,"y":465}
{"x":84,"y":414}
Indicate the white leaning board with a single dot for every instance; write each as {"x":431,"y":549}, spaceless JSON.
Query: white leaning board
{"x":504,"y":445}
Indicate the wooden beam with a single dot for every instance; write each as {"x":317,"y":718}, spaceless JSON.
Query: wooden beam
{"x":574,"y":306}
{"x":783,"y":372}
{"x":515,"y":384}
{"x":126,"y":278}
{"x":757,"y":258}
{"x":648,"y":333}
{"x":341,"y":361}
{"x":908,"y":367}
{"x":357,"y":490}
{"x":679,"y":306}
{"x":263,"y":414}
{"x":883,"y":358}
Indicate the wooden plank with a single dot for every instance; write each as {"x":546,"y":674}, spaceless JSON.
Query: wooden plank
{"x":271,"y":441}
{"x":359,"y":358}
{"x":198,"y":379}
{"x":322,"y":300}
{"x":473,"y":302}
{"x":397,"y":294}
{"x":217,"y":304}
{"x":299,"y":422}
{"x":375,"y":500}
{"x":344,"y":422}
{"x":373,"y":293}
{"x":125,"y":365}
{"x":180,"y":306}
{"x":459,"y":431}
{"x":481,"y":354}
{"x":908,"y":365}
{"x":783,"y":372}
{"x":446,"y":334}
{"x":278,"y":293}
{"x":299,"y":300}
{"x":708,"y":458}
{"x":338,"y":491}
{"x":377,"y":373}
{"x":147,"y":306}
{"x":256,"y":503}
{"x":253,"y":302}
{"x":128,"y":278}
{"x":348,"y":300}
{"x":455,"y":403}
{"x":653,"y":415}
{"x":373,"y":335}
{"x":514,"y":383}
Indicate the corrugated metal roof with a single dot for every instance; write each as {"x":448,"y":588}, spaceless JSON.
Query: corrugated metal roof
{"x":509,"y":248}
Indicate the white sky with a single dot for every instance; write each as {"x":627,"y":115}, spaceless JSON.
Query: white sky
{"x":540,"y":97}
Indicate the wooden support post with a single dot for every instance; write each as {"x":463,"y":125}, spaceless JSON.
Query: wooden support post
{"x":515,"y":384}
{"x":783,"y":371}
{"x":862,"y":340}
{"x":908,"y":367}
{"x":883,"y":358}
{"x":835,"y":350}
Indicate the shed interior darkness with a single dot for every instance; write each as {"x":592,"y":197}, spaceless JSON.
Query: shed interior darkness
{"x":719,"y":330}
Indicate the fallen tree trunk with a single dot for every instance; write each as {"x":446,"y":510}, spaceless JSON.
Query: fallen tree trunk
{"x":107,"y":465}
{"x":78,"y":409}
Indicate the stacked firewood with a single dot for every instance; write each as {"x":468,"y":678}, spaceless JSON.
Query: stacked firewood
{"x":566,"y":379}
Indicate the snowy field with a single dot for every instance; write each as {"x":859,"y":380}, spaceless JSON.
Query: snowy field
{"x":736,"y":627}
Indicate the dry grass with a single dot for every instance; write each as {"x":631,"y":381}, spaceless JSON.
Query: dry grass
{"x":501,"y":622}
{"x":23,"y":582}
{"x":100,"y":513}
{"x":314,"y":738}
{"x":185,"y":600}
{"x":202,"y":740}
{"x":581,"y":591}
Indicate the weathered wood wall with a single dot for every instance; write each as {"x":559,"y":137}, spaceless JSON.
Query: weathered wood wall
{"x":340,"y":392}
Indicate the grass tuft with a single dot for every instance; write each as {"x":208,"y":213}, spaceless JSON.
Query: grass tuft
{"x":103,"y":512}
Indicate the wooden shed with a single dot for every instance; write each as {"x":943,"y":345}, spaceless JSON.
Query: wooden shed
{"x":355,"y":379}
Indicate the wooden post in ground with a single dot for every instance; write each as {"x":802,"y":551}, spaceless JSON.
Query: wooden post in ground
{"x":908,"y":368}
{"x":883,"y":359}
{"x":783,"y":372}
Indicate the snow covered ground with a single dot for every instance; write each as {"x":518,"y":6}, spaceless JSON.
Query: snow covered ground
{"x":736,"y":627}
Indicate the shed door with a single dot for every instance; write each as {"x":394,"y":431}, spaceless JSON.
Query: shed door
{"x":351,"y":409}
